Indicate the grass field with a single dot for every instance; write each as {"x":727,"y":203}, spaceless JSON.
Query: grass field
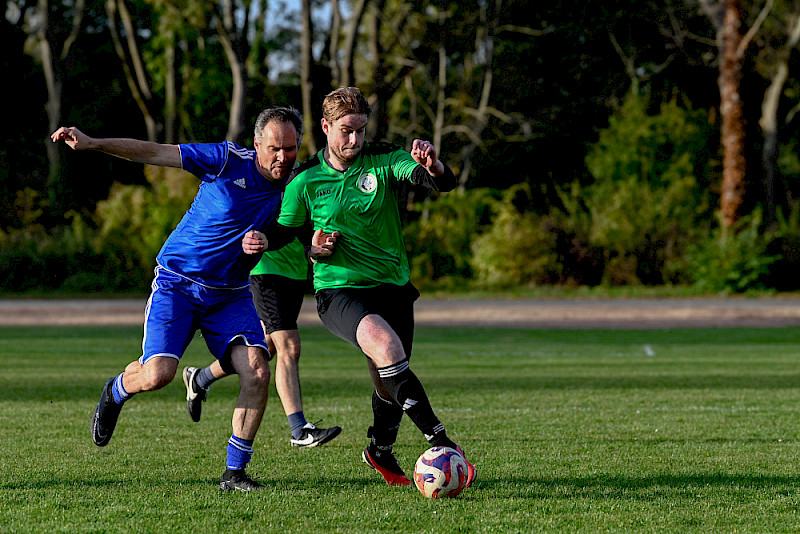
{"x":667,"y":430}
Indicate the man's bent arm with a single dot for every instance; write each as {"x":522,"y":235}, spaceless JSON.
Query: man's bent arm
{"x":278,"y":235}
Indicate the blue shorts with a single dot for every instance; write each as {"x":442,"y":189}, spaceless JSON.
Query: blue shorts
{"x":178,"y":307}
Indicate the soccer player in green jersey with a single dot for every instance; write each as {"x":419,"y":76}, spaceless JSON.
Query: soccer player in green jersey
{"x":349,"y":193}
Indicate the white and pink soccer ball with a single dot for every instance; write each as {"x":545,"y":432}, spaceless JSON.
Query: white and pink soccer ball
{"x":440,"y":472}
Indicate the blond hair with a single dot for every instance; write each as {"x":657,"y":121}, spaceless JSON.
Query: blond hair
{"x":344,"y":101}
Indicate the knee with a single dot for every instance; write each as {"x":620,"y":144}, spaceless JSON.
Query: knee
{"x":156,"y":378}
{"x":289,"y":354}
{"x":256,"y":378}
{"x":262,"y":375}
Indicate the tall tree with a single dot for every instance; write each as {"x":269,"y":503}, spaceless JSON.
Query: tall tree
{"x":489,"y":17}
{"x":233,"y":38}
{"x":392,"y":58}
{"x":346,"y":65}
{"x":783,"y":36}
{"x":333,"y":40}
{"x":54,"y":53}
{"x":732,"y":43}
{"x":129,"y":53}
{"x":306,"y":75}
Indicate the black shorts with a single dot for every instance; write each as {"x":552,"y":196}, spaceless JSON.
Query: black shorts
{"x":341,"y":310}
{"x":278,"y":300}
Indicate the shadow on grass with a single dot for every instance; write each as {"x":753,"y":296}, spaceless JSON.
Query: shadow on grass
{"x":46,"y":391}
{"x":602,"y":487}
{"x":369,"y":481}
{"x":597,"y":486}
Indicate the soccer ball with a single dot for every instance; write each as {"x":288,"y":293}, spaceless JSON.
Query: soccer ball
{"x":440,"y":472}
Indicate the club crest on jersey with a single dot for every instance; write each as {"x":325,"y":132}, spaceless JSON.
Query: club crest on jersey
{"x":367,"y":183}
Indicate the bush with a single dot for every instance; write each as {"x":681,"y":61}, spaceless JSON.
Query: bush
{"x":733,"y":260}
{"x":135,"y":220}
{"x":33,"y":258}
{"x":785,"y":245}
{"x":518,"y":249}
{"x":439,"y":239}
{"x":644,"y":206}
{"x":114,"y":250}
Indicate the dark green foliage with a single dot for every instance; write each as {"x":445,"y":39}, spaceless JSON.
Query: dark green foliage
{"x":65,"y":258}
{"x":440,"y":237}
{"x":733,"y":261}
{"x":519,"y":248}
{"x":647,"y":202}
{"x":115,"y":251}
{"x":620,"y":186}
{"x":631,"y":225}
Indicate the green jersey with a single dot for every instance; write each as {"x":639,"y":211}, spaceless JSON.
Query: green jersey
{"x":289,"y":261}
{"x":361,"y":204}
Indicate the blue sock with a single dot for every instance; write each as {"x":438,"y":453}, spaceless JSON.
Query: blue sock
{"x":119,"y":393}
{"x":239,"y":452}
{"x":204,"y":378}
{"x":296,"y":421}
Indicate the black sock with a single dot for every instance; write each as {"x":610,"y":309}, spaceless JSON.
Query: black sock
{"x":387,"y":416}
{"x":440,"y":439}
{"x":406,"y":389}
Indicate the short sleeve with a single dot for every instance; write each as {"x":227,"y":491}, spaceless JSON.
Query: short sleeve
{"x":204,"y":160}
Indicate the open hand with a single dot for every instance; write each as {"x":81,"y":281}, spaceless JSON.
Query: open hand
{"x":323,"y":244}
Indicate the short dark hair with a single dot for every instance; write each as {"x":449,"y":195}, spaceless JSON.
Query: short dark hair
{"x":279,"y":114}
{"x":344,"y":101}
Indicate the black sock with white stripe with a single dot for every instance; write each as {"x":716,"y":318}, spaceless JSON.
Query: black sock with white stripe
{"x":406,"y":389}
{"x":386,"y":418}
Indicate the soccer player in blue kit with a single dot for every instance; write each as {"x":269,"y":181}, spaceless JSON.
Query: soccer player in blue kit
{"x":202,"y":276}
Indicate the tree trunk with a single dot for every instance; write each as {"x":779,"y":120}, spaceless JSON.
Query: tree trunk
{"x":306,"y":78}
{"x":770,"y":125}
{"x":139,"y":90}
{"x":387,"y":77}
{"x":379,"y":124}
{"x":170,"y":89}
{"x":235,"y":116}
{"x":769,"y":129}
{"x":733,"y":163}
{"x":481,"y":120}
{"x":51,"y":68}
{"x":53,"y":84}
{"x":441,"y":85}
{"x":348,"y":47}
{"x":333,"y":46}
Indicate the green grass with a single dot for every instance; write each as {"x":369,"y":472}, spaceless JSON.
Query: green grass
{"x":667,"y":431}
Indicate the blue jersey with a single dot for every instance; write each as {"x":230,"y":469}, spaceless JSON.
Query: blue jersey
{"x":234,"y":197}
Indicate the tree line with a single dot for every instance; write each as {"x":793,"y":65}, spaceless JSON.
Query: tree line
{"x":618,"y":143}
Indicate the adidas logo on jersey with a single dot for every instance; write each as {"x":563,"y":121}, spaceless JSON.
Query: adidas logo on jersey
{"x":241,"y":183}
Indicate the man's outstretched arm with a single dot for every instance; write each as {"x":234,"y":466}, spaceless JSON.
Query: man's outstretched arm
{"x":130,"y":149}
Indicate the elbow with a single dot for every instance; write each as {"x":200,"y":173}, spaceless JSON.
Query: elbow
{"x":447,"y":181}
{"x":447,"y":185}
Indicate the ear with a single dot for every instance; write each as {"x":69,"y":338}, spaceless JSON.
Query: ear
{"x":325,"y":126}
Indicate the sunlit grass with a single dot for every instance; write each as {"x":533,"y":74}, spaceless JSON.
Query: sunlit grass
{"x":668,"y":431}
